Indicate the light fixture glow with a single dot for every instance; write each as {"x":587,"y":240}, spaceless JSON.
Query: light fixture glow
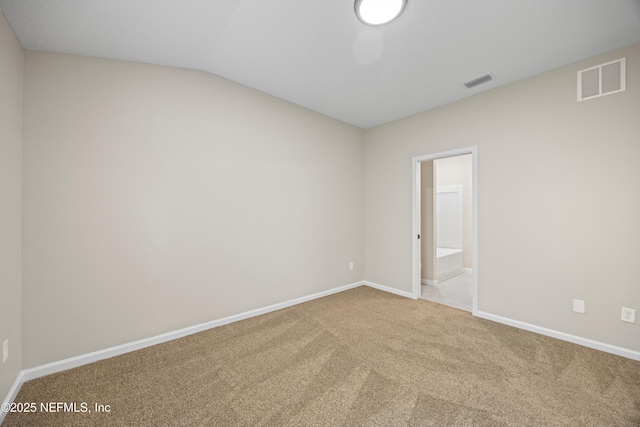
{"x":379,"y":12}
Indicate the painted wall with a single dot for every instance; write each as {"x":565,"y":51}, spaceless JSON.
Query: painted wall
{"x":427,"y":225}
{"x":457,"y":170}
{"x":558,"y":205}
{"x":11,"y":55}
{"x":157,"y":198}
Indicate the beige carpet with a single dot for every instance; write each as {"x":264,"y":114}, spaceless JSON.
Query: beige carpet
{"x":361,"y":357}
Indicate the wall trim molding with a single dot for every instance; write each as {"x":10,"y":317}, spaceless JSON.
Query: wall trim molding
{"x":429,"y":282}
{"x":585,"y":342}
{"x":84,"y":359}
{"x":388,"y":289}
{"x":13,"y":392}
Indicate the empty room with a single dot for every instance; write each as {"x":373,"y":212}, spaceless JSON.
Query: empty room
{"x":336,"y":213}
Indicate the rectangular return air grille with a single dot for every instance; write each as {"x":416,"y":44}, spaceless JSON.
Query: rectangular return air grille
{"x":603,"y":79}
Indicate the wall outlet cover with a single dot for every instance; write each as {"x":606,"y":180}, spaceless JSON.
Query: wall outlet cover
{"x":628,"y":315}
{"x":578,"y":305}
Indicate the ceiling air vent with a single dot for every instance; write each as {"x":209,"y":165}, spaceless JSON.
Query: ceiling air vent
{"x":603,"y":79}
{"x":478,"y":81}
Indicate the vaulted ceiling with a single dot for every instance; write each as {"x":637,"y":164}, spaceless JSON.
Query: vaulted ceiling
{"x":317,"y":54}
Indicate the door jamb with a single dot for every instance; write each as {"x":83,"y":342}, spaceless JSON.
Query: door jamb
{"x":415,"y":166}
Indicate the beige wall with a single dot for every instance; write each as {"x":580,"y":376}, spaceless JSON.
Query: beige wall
{"x":158,"y":198}
{"x":457,"y":170}
{"x":10,"y":204}
{"x":427,"y":225}
{"x":558,"y":205}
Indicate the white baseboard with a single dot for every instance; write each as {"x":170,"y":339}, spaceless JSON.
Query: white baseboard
{"x":607,"y":348}
{"x":84,"y":359}
{"x":435,"y":282}
{"x":388,"y":289}
{"x":13,"y":392}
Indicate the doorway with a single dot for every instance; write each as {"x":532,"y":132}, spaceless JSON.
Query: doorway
{"x":445,"y":228}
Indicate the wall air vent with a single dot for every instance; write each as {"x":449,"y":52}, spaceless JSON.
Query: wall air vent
{"x":603,"y":79}
{"x":478,"y":81}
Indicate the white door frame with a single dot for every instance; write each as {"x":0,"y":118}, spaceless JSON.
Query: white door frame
{"x":416,"y":219}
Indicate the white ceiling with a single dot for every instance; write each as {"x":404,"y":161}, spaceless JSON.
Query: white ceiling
{"x":316,"y":53}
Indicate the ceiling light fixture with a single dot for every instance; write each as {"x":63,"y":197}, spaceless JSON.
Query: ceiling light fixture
{"x":379,"y":12}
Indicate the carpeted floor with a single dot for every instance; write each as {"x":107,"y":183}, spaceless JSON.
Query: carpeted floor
{"x":360,"y":357}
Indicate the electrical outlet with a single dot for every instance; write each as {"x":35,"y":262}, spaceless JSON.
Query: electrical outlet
{"x":5,"y":350}
{"x":578,"y":305}
{"x":628,"y":315}
{"x":351,"y":265}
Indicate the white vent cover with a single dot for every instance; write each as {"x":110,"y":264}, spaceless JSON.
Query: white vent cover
{"x":478,"y":81}
{"x":603,"y":79}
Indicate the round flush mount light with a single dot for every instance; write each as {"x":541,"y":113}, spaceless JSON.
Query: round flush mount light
{"x":379,"y":12}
